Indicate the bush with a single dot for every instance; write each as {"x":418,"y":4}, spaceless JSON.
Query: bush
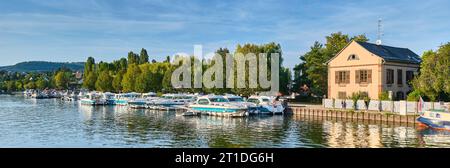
{"x":384,"y":96}
{"x":359,"y":96}
{"x":414,"y":95}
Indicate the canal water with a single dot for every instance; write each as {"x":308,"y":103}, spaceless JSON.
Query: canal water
{"x":55,"y":123}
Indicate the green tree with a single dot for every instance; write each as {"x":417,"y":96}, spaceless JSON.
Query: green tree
{"x":313,"y":69}
{"x":104,"y":66}
{"x":133,"y":58}
{"x":89,"y":77}
{"x":167,"y":59}
{"x":11,"y":86}
{"x":166,"y":83}
{"x":19,"y":85}
{"x":2,"y":86}
{"x":90,"y":80}
{"x":30,"y":85}
{"x":117,"y":82}
{"x":285,"y":80}
{"x":434,"y":80}
{"x":223,"y":53}
{"x":414,"y":95}
{"x":41,"y":84}
{"x":62,"y":79}
{"x":143,"y":57}
{"x":143,"y":80}
{"x":335,"y":43}
{"x":245,"y":49}
{"x":104,"y":82}
{"x":301,"y":77}
{"x":89,"y":65}
{"x":360,"y":38}
{"x":384,"y":96}
{"x":129,"y":78}
{"x":316,"y":70}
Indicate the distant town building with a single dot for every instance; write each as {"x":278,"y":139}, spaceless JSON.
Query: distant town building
{"x":371,"y":69}
{"x":78,"y":75}
{"x":78,"y":80}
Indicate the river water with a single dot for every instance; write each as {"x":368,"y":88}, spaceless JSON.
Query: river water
{"x":55,"y":123}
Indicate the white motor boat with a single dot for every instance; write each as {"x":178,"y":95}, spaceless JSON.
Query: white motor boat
{"x":93,"y":99}
{"x":123,"y":98}
{"x":171,"y":101}
{"x":218,"y":106}
{"x":264,"y":105}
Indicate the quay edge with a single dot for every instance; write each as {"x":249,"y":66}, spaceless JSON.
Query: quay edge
{"x":349,"y":115}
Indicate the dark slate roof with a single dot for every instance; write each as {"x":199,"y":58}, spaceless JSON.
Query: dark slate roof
{"x":392,"y":54}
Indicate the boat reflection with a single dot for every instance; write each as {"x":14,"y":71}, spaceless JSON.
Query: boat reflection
{"x":433,"y":138}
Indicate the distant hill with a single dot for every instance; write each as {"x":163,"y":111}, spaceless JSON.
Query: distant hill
{"x":43,"y":66}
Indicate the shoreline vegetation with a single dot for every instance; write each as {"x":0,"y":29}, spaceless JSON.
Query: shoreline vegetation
{"x":136,"y":73}
{"x":140,"y":73}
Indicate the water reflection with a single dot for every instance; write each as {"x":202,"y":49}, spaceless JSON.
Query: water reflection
{"x":433,"y":138}
{"x":54,"y":123}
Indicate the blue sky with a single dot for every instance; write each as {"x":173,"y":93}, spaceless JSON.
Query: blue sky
{"x":72,"y":30}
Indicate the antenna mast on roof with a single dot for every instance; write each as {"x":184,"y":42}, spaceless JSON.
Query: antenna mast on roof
{"x":380,"y":32}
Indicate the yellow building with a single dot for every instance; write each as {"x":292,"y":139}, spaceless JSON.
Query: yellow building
{"x":372,"y":69}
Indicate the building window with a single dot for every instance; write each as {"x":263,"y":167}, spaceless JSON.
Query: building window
{"x":399,"y":77}
{"x":352,"y":57}
{"x":342,"y":95}
{"x":409,"y":77}
{"x":342,"y":77}
{"x":363,"y":76}
{"x":364,"y":94}
{"x":400,"y":96}
{"x":389,"y":76}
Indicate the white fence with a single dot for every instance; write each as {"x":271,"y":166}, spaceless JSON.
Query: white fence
{"x":400,"y":107}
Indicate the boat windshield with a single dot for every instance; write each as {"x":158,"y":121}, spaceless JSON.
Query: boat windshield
{"x":167,"y":97}
{"x":218,"y":100}
{"x":251,"y":100}
{"x":265,"y":100}
{"x":236,"y":99}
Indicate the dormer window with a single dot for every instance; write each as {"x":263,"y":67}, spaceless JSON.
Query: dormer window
{"x":353,"y":57}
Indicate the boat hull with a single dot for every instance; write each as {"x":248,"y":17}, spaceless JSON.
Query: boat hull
{"x":266,"y":110}
{"x":120,"y":102}
{"x":92,"y":102}
{"x":434,"y":123}
{"x":221,"y":111}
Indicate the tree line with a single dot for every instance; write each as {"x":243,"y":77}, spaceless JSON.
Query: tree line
{"x":63,"y":78}
{"x":136,"y":74}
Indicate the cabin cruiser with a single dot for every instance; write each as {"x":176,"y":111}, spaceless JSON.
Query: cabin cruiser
{"x":234,"y":99}
{"x":141,"y":103}
{"x":109,"y":97}
{"x":238,"y":100}
{"x":218,"y":106}
{"x":171,"y":101}
{"x":122,"y":99}
{"x":264,"y":105}
{"x":40,"y":95}
{"x":93,"y":99}
{"x":436,"y":119}
{"x":27,"y":93}
{"x":69,"y":97}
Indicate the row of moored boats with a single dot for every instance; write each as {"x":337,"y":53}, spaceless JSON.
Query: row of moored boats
{"x":193,"y":104}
